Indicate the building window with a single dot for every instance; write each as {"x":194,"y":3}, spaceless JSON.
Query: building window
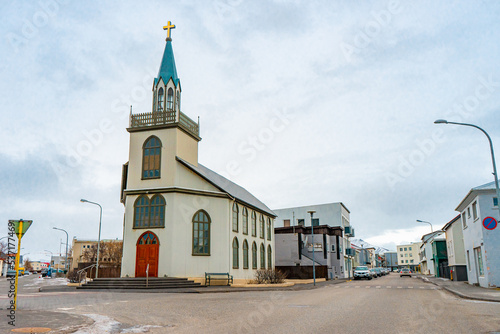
{"x":254,"y":224}
{"x":406,"y":261}
{"x":262,"y":257}
{"x":479,"y":260}
{"x":468,"y":261}
{"x":409,"y":248}
{"x":495,"y":201}
{"x":201,"y":233}
{"x":411,"y":261}
{"x":149,"y":213}
{"x":236,"y":250}
{"x":235,"y":217}
{"x":300,"y":222}
{"x":262,"y":227}
{"x":401,"y":249}
{"x":411,"y":255}
{"x":245,"y":254}
{"x":405,"y":249}
{"x":245,"y":221}
{"x":474,"y":210}
{"x":151,"y":154}
{"x":269,"y":257}
{"x":286,"y":222}
{"x":464,"y":220}
{"x":468,"y":212}
{"x":160,"y":99}
{"x":254,"y":255}
{"x":170,"y":99}
{"x":315,"y":221}
{"x":268,"y":228}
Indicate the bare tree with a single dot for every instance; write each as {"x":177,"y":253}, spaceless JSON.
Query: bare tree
{"x":27,"y":265}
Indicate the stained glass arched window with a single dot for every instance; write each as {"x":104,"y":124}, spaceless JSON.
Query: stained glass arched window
{"x":245,"y":254}
{"x":151,"y":156}
{"x":236,"y":251}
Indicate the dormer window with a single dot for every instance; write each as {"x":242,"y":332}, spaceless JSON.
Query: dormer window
{"x":170,"y":99}
{"x":160,"y":99}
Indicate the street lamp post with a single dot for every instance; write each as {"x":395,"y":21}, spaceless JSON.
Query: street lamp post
{"x":423,"y":221}
{"x":66,"y":261}
{"x":99,"y":238}
{"x":312,"y":237}
{"x":442,"y":121}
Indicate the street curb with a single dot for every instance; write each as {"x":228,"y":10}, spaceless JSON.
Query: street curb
{"x":459,"y":294}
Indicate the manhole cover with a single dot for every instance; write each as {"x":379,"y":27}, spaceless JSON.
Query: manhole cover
{"x":32,"y":330}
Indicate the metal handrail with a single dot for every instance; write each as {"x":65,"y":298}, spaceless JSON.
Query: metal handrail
{"x":147,"y":275}
{"x":79,"y":272}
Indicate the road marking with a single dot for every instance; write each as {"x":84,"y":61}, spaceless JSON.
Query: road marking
{"x":367,"y":287}
{"x":399,"y":287}
{"x":377,"y":287}
{"x":65,"y":308}
{"x":347,"y":287}
{"x":422,"y":287}
{"x":357,"y":287}
{"x":388,"y":287}
{"x":410,"y":287}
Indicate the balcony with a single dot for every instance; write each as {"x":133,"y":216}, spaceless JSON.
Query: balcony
{"x":158,"y":119}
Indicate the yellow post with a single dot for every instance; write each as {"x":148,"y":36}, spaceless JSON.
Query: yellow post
{"x":18,"y":255}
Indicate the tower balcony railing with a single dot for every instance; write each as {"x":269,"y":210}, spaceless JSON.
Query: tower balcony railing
{"x":165,"y":117}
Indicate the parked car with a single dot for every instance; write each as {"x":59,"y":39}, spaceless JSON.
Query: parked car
{"x":405,"y":272}
{"x":10,"y":273}
{"x":362,"y":272}
{"x":378,"y":271}
{"x":373,"y":273}
{"x":396,"y":270}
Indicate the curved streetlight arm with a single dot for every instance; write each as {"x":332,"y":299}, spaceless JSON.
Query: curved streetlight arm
{"x":423,"y":221}
{"x":66,"y":261}
{"x":442,"y":121}
{"x":99,"y":238}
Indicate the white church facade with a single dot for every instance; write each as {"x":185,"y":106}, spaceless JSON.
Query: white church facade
{"x":181,"y":218}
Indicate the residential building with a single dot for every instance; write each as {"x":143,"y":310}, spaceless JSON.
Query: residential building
{"x":456,"y":249}
{"x":330,"y":214}
{"x":38,"y":265}
{"x":481,"y":245}
{"x":426,"y":255}
{"x":408,"y":255}
{"x":391,"y":260}
{"x":181,"y":218}
{"x":294,"y":251}
{"x":57,"y":262}
{"x":76,"y":258}
{"x":440,"y":257}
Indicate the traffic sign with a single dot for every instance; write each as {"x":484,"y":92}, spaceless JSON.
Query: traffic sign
{"x":490,"y":223}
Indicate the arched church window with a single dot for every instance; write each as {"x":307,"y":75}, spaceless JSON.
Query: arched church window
{"x":160,"y":99}
{"x":262,"y":257}
{"x":235,"y":217}
{"x":254,"y":224}
{"x":149,"y":213}
{"x":157,"y":211}
{"x":201,"y":233}
{"x":245,"y":220}
{"x":141,"y":212}
{"x":268,"y":228}
{"x":236,"y":250}
{"x":269,"y":257}
{"x":151,"y":158}
{"x":254,"y":255}
{"x":148,"y":238}
{"x":262,"y":227}
{"x":170,"y":99}
{"x":245,"y":254}
{"x":178,"y":101}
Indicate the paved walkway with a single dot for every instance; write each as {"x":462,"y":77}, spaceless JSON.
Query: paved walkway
{"x":463,"y":289}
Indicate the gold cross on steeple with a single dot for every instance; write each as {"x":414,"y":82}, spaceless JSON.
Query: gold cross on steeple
{"x":167,"y":28}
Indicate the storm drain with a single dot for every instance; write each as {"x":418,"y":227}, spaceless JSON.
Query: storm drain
{"x":31,"y":330}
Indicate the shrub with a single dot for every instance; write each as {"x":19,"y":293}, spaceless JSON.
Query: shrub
{"x":269,"y":276}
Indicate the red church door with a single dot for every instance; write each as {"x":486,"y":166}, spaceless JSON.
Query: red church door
{"x":147,"y":253}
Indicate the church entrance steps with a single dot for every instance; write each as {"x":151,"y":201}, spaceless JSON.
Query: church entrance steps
{"x":139,"y":283}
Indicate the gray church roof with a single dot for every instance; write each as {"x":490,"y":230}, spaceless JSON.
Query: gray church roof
{"x":228,"y":186}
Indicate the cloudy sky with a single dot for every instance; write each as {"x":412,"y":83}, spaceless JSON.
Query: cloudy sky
{"x":300,"y":102}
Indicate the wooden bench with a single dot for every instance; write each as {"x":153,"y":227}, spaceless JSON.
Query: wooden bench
{"x":218,"y":276}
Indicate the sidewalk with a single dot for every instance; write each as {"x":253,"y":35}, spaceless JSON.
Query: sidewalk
{"x":463,"y":289}
{"x":58,"y":322}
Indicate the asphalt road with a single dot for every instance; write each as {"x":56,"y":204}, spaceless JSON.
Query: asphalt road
{"x":388,"y":304}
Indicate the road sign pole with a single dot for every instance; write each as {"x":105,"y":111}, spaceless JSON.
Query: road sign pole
{"x":18,"y":255}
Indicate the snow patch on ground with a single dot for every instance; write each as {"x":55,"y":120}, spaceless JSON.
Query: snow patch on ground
{"x":49,"y":281}
{"x":104,"y":324}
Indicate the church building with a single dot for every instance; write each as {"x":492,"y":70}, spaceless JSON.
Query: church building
{"x":181,"y":218}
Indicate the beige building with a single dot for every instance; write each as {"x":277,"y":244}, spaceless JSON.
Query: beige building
{"x":181,"y":218}
{"x":408,"y":255}
{"x":78,"y":248}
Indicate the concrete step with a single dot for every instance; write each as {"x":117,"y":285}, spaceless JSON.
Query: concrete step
{"x":135,"y":287}
{"x":139,"y":283}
